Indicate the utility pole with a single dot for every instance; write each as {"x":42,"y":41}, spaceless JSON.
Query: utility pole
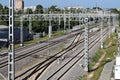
{"x":30,"y":25}
{"x":101,"y":32}
{"x":79,"y":20}
{"x":11,"y":52}
{"x":50,"y":26}
{"x":59,"y":22}
{"x":69,"y":21}
{"x":21,"y":31}
{"x":86,"y":45}
{"x":109,"y":25}
{"x":64,"y":22}
{"x":114,"y":24}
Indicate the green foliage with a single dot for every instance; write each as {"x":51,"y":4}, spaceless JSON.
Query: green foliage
{"x":54,"y":8}
{"x":39,"y":9}
{"x":1,"y":6}
{"x":29,"y":11}
{"x":110,"y":52}
{"x":114,"y":10}
{"x":83,"y":77}
{"x":97,"y":8}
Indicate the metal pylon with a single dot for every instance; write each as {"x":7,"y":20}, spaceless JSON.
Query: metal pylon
{"x":86,"y":45}
{"x":11,"y":53}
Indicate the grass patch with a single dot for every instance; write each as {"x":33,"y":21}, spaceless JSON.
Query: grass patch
{"x":83,"y":77}
{"x":95,"y":58}
{"x":57,"y":33}
{"x":110,"y":50}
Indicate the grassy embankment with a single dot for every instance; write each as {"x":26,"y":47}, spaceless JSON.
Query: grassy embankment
{"x":110,"y":48}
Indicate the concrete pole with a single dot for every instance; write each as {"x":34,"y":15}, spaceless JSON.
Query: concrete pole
{"x":114,"y":24}
{"x":64,"y":22}
{"x":30,"y":25}
{"x":101,"y":32}
{"x":113,"y":19}
{"x":50,"y":26}
{"x":59,"y":22}
{"x":109,"y":26}
{"x":79,"y":20}
{"x":11,"y":52}
{"x":86,"y":45}
{"x":69,"y":21}
{"x":21,"y":32}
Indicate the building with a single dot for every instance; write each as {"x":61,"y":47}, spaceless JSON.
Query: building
{"x":33,"y":8}
{"x":74,"y":7}
{"x":19,"y":5}
{"x":4,"y":35}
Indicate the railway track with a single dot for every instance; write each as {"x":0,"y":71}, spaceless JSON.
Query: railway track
{"x":28,"y":46}
{"x":39,"y":67}
{"x":4,"y":63}
{"x":59,"y":73}
{"x":46,"y":62}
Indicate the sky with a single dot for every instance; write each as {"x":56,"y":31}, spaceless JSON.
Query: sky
{"x":66,"y":3}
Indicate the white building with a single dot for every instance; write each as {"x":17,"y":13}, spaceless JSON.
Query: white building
{"x":118,"y":9}
{"x":74,"y":7}
{"x":30,"y":7}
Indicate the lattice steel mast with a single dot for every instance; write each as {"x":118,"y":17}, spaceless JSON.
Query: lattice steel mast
{"x":11,"y":53}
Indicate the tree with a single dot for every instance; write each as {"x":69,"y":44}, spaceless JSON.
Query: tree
{"x":54,"y":8}
{"x":4,"y":19}
{"x":5,"y":10}
{"x":1,"y":6}
{"x":20,"y":12}
{"x":97,"y":8}
{"x":39,"y":9}
{"x":1,"y":9}
{"x":29,"y":11}
{"x":114,"y":10}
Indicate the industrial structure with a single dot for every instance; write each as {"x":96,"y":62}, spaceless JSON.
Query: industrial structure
{"x":4,"y":35}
